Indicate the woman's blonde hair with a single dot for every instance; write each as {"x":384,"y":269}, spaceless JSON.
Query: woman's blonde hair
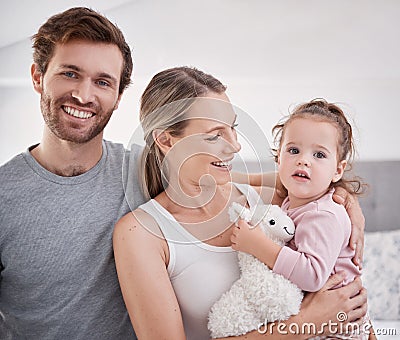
{"x":164,"y":103}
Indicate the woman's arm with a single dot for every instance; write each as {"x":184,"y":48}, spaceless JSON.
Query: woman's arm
{"x":350,"y":202}
{"x":319,"y":313}
{"x":141,"y":259}
{"x":267,"y":179}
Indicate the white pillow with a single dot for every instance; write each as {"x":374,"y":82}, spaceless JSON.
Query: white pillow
{"x":381,"y":274}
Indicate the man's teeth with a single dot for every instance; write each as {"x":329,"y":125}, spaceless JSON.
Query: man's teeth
{"x":76,"y":113}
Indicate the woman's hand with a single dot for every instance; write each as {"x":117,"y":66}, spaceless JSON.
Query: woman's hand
{"x":339,"y":307}
{"x":319,"y":313}
{"x":350,"y":202}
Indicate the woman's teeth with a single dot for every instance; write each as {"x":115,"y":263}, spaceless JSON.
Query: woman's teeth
{"x":221,"y":164}
{"x":76,"y":113}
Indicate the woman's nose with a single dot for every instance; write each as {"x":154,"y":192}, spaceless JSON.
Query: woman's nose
{"x":232,"y":142}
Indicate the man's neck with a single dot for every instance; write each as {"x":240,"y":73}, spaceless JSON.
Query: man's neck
{"x":65,"y":158}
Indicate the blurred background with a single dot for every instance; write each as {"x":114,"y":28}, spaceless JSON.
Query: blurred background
{"x":272,"y":55}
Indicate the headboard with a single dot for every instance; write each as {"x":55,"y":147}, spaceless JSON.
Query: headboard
{"x":381,"y":204}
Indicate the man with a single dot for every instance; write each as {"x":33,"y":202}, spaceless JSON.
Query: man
{"x":62,"y":197}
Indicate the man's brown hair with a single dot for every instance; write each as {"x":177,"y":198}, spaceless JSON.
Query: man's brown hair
{"x":80,"y":23}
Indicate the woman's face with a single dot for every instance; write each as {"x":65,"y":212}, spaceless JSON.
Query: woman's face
{"x":202,"y":155}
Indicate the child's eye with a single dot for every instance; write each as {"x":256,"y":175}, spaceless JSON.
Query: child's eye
{"x":319,"y":154}
{"x":293,"y":151}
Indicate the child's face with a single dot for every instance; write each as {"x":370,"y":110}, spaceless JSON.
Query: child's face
{"x":307,"y":160}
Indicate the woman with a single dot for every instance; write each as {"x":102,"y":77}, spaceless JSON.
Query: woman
{"x":173,"y":254}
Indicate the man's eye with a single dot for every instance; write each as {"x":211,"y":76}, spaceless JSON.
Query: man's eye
{"x":102,"y":83}
{"x":319,"y":154}
{"x":69,"y":74}
{"x":293,"y":151}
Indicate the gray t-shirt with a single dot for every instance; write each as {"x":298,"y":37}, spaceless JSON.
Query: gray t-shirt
{"x":57,"y":270}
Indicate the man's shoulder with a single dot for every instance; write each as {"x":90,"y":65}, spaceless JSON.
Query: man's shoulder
{"x":10,"y":167}
{"x":115,"y":148}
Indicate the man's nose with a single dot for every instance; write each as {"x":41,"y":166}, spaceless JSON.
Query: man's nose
{"x":84,"y":92}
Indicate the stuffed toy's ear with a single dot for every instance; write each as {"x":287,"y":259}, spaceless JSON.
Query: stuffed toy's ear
{"x":237,"y":211}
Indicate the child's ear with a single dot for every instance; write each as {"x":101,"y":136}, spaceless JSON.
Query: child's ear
{"x":163,"y":140}
{"x":339,"y":171}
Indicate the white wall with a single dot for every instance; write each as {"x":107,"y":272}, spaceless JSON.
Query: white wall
{"x":270,"y":54}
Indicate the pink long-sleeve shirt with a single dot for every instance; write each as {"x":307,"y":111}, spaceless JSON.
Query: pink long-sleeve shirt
{"x":320,"y":246}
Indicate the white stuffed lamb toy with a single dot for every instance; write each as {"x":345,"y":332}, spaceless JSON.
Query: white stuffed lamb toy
{"x":259,"y":295}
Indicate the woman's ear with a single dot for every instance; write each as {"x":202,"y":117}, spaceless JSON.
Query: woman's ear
{"x":163,"y":140}
{"x":37,"y":78}
{"x":339,"y":171}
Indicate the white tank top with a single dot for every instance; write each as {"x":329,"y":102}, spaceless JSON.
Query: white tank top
{"x":199,"y":273}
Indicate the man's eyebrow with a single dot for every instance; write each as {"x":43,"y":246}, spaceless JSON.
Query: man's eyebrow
{"x":109,"y":77}
{"x":71,"y":67}
{"x":100,"y":75}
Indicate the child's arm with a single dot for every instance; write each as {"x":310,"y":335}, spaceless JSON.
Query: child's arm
{"x":341,"y":196}
{"x":319,"y":239}
{"x":252,"y":240}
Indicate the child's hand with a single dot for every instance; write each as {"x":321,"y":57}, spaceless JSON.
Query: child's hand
{"x":246,"y":237}
{"x":252,"y":240}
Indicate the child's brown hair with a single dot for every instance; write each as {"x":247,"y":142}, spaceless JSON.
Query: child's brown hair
{"x":320,"y":109}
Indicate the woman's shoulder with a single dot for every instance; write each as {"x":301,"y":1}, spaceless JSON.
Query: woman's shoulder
{"x":140,"y":224}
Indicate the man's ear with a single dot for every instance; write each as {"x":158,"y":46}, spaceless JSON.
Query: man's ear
{"x":339,"y":171}
{"x":37,"y":78}
{"x":118,"y":101}
{"x":163,"y":140}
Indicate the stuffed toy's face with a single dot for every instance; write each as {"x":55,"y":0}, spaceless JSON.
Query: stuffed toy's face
{"x":275,"y":221}
{"x":279,"y":224}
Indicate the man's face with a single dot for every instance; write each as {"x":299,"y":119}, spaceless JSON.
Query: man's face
{"x":79,"y":90}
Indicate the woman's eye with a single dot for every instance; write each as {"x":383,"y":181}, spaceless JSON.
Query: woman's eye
{"x":213,"y":138}
{"x":293,"y":151}
{"x":319,"y":154}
